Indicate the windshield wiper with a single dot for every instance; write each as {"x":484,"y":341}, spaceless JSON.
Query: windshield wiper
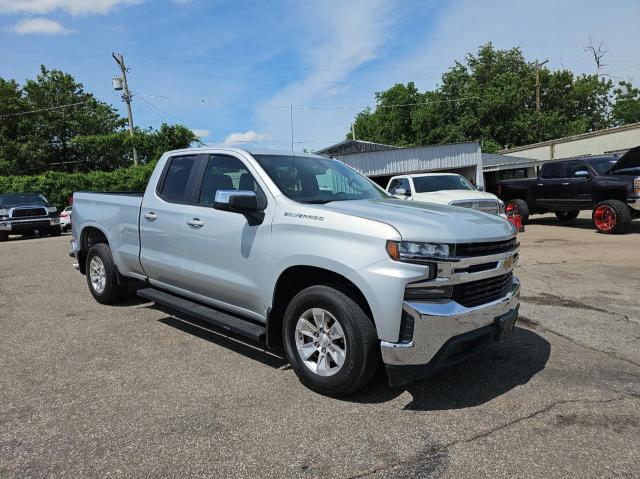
{"x":316,"y":202}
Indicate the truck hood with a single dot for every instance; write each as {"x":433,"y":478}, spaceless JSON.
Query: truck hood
{"x":445,"y":196}
{"x":631,"y":159}
{"x":428,"y":222}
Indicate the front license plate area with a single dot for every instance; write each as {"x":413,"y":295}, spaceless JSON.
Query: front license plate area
{"x":505,"y":324}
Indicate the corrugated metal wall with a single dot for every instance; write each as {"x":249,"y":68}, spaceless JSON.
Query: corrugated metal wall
{"x":417,"y":160}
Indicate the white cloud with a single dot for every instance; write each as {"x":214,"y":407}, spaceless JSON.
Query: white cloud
{"x":245,"y":137}
{"x":39,"y":25}
{"x":74,"y":7}
{"x":352,"y":34}
{"x":201,"y":132}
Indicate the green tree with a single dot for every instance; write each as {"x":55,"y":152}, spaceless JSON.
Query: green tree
{"x":85,"y":135}
{"x":626,"y":108}
{"x":490,"y":97}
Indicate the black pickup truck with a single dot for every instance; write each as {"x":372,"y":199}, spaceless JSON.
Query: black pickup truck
{"x":607,"y":185}
{"x":27,"y":214}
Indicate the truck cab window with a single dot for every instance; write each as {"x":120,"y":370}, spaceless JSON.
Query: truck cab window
{"x":225,"y":173}
{"x":174,"y":188}
{"x":574,"y":166}
{"x":552,"y":170}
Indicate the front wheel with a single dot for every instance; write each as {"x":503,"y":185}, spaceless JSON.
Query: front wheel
{"x":611,"y":216}
{"x":567,"y":215}
{"x":330,"y":341}
{"x":4,"y":236}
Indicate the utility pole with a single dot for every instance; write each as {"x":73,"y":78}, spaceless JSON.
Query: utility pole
{"x":126,"y":96}
{"x":538,"y":65}
{"x":353,"y":131}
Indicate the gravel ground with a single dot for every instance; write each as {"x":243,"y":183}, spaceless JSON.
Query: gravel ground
{"x":129,"y":391}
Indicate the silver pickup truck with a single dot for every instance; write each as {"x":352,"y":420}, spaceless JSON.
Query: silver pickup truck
{"x":305,"y":254}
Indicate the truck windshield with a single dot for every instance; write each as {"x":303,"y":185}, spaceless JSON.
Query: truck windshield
{"x":308,"y":179}
{"x":18,"y":199}
{"x":428,"y":184}
{"x":603,"y":165}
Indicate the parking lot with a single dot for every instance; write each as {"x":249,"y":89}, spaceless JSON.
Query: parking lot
{"x":129,"y":391}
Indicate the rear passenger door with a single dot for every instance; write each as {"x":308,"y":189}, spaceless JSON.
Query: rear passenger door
{"x":548,"y":188}
{"x":162,"y":232}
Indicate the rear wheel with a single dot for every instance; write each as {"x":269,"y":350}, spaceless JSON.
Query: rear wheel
{"x":518,"y":207}
{"x":611,"y":217}
{"x":567,"y":215}
{"x":102,"y":276}
{"x":330,"y":341}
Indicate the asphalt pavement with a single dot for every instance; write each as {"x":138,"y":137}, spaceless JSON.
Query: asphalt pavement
{"x":88,"y":390}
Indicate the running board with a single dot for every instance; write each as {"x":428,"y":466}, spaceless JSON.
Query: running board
{"x":226,"y":321}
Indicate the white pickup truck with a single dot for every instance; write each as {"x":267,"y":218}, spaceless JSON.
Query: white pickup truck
{"x":444,"y":189}
{"x":303,"y":253}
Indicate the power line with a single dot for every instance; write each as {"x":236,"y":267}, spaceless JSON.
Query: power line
{"x":46,"y":109}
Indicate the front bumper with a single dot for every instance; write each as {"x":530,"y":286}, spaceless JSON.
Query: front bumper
{"x":29,"y":224}
{"x":436,"y":323}
{"x":634,"y":203}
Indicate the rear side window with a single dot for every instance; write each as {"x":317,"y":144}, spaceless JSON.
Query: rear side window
{"x":552,"y":170}
{"x":176,"y":179}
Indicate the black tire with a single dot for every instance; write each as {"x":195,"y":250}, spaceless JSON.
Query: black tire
{"x":112,"y":291}
{"x":567,"y":215}
{"x":4,"y":236}
{"x":618,"y":217}
{"x":521,"y":207}
{"x":55,"y":231}
{"x":362,"y":356}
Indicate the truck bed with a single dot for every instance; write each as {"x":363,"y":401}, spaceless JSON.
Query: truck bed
{"x":117,"y":216}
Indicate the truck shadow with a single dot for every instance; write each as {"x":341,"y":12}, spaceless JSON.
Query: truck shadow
{"x":579,"y":223}
{"x":495,"y":371}
{"x":204,"y":330}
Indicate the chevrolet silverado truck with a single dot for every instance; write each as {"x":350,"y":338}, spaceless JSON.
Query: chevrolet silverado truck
{"x":445,"y":189}
{"x":607,"y":185}
{"x":306,"y":255}
{"x":27,"y":214}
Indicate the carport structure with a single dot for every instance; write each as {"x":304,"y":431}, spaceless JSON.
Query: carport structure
{"x":381,"y":164}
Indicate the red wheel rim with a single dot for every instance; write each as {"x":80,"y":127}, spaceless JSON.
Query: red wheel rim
{"x":605,"y":218}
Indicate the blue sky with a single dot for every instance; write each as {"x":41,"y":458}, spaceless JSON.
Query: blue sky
{"x":231,"y":69}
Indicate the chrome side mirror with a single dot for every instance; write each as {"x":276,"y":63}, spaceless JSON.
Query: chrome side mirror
{"x":243,"y":202}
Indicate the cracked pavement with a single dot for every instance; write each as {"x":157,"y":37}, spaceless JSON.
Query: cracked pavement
{"x":129,"y":391}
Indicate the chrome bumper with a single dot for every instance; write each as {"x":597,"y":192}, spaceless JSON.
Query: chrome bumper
{"x":10,"y":224}
{"x":438,"y":321}
{"x":635,"y":204}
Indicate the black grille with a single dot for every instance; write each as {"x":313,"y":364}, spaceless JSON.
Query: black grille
{"x":28,"y":212}
{"x":483,"y":291}
{"x":485,"y":249}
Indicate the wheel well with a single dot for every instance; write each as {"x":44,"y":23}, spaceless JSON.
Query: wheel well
{"x":295,"y":279}
{"x":89,"y":236}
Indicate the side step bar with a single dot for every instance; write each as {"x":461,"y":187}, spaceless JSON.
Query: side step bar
{"x":226,"y":321}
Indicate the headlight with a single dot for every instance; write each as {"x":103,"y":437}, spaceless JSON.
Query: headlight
{"x":500,"y":207}
{"x":51,"y":209}
{"x":4,"y":212}
{"x":411,"y":251}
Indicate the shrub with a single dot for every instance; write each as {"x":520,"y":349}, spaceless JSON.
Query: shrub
{"x":58,"y":186}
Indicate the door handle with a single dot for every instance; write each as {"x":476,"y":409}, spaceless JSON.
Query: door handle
{"x":151,"y":216}
{"x":565,"y":184}
{"x":195,"y":222}
{"x":540,"y":184}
